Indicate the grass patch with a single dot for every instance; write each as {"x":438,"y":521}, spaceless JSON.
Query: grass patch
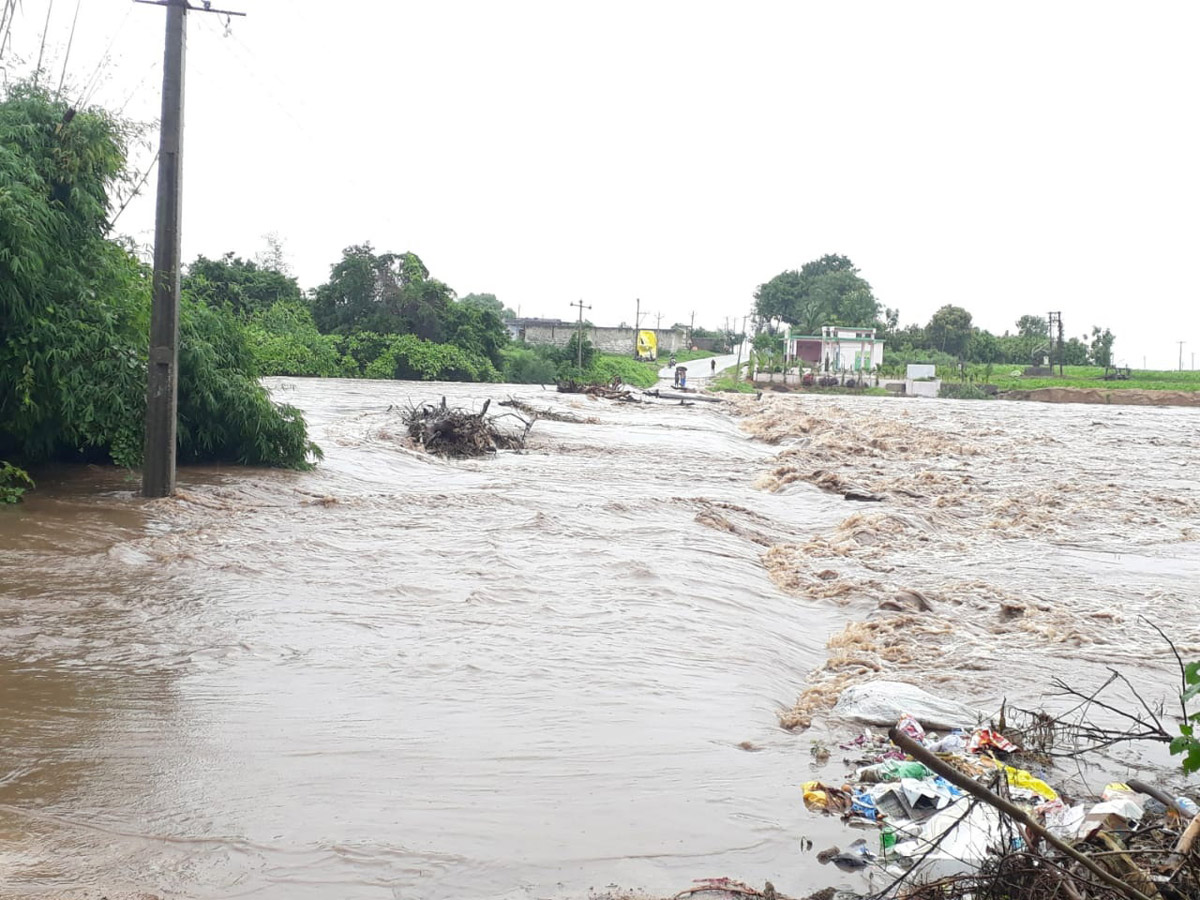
{"x":1085,"y":377}
{"x":639,"y":374}
{"x":961,"y":390}
{"x":726,"y":382}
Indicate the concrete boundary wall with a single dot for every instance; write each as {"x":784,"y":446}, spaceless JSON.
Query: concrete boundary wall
{"x":606,"y":340}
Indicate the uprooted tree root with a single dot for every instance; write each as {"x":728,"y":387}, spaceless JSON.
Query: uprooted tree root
{"x":450,"y":431}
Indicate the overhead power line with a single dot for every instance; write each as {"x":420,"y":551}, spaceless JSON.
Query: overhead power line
{"x":37,"y":73}
{"x":67,"y":55}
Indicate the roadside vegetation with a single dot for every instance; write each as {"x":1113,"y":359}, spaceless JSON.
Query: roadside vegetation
{"x":74,"y":312}
{"x":832,"y":291}
{"x":383,"y":315}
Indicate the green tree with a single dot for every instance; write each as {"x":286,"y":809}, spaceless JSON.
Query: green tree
{"x":779,"y":299}
{"x":572,"y":353}
{"x":476,"y":329}
{"x":390,"y":293}
{"x":825,"y":291}
{"x":1075,"y":353}
{"x":984,"y":347}
{"x":1102,"y":344}
{"x":1033,"y":327}
{"x":489,"y":302}
{"x":949,"y":331}
{"x":283,"y":340}
{"x":242,"y":285}
{"x":74,"y":312}
{"x":768,"y":350}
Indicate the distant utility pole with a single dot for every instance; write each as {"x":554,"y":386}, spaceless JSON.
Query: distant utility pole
{"x":637,"y":323}
{"x":162,"y":380}
{"x":1181,"y":343}
{"x":737,"y":370}
{"x":691,"y":328}
{"x":1055,"y":318}
{"x":657,"y":322}
{"x":579,"y":335}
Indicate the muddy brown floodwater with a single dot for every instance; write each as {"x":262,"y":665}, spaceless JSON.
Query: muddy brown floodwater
{"x":530,"y":676}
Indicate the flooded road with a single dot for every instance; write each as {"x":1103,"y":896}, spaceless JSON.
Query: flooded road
{"x":530,"y":676}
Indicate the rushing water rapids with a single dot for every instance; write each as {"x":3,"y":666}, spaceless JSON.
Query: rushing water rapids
{"x":528,"y":676}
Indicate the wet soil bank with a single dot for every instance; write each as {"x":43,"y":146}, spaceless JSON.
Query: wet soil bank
{"x":1115,"y":396}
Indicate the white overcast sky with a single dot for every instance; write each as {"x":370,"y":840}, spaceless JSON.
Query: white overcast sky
{"x":1008,"y":157}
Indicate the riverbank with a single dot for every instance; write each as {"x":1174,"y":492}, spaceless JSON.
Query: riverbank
{"x":1115,"y":396}
{"x":1110,"y":395}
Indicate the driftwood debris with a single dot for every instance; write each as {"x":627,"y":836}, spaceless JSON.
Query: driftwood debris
{"x":671,"y":395}
{"x":615,"y":391}
{"x":450,"y":431}
{"x":550,"y":415}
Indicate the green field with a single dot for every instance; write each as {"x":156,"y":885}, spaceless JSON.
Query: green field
{"x":1080,"y":377}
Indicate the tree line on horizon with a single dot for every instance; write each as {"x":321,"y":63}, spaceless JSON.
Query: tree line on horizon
{"x":831,"y":291}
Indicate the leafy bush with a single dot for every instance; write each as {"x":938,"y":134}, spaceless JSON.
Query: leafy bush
{"x":224,"y":413}
{"x":899,"y":361}
{"x":411,"y":357}
{"x":1188,"y":743}
{"x":74,"y":312}
{"x":13,"y":483}
{"x":524,"y":366}
{"x":639,"y":374}
{"x":284,"y":340}
{"x":955,"y":390}
{"x":729,"y":383}
{"x":362,"y":348}
{"x":571,"y":354}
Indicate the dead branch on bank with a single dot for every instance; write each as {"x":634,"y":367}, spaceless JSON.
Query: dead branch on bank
{"x":614,"y":391}
{"x":548,"y":414}
{"x":726,"y":888}
{"x":450,"y":431}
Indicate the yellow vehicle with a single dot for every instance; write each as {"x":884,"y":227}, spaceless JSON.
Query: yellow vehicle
{"x":647,"y":346}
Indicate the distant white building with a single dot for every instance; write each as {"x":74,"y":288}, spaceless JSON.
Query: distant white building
{"x":837,"y":349}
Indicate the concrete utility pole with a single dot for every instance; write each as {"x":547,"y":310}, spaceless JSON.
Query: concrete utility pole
{"x":637,"y":323}
{"x":579,"y":335}
{"x":737,"y":370}
{"x":1181,"y":343}
{"x":691,"y":328}
{"x":162,"y":381}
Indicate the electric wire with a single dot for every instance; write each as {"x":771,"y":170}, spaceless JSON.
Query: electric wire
{"x":37,"y":73}
{"x":67,"y":55}
{"x":93,"y":83}
{"x":7,"y":14}
{"x":135,"y":192}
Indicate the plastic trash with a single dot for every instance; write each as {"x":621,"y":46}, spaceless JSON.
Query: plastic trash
{"x":951,"y":743}
{"x":892,"y":770}
{"x":910,"y":726}
{"x":886,"y":702}
{"x":854,"y":857}
{"x":864,"y":805}
{"x":820,"y":797}
{"x":1020,"y":780}
{"x":1189,"y":807}
{"x":986,"y":739}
